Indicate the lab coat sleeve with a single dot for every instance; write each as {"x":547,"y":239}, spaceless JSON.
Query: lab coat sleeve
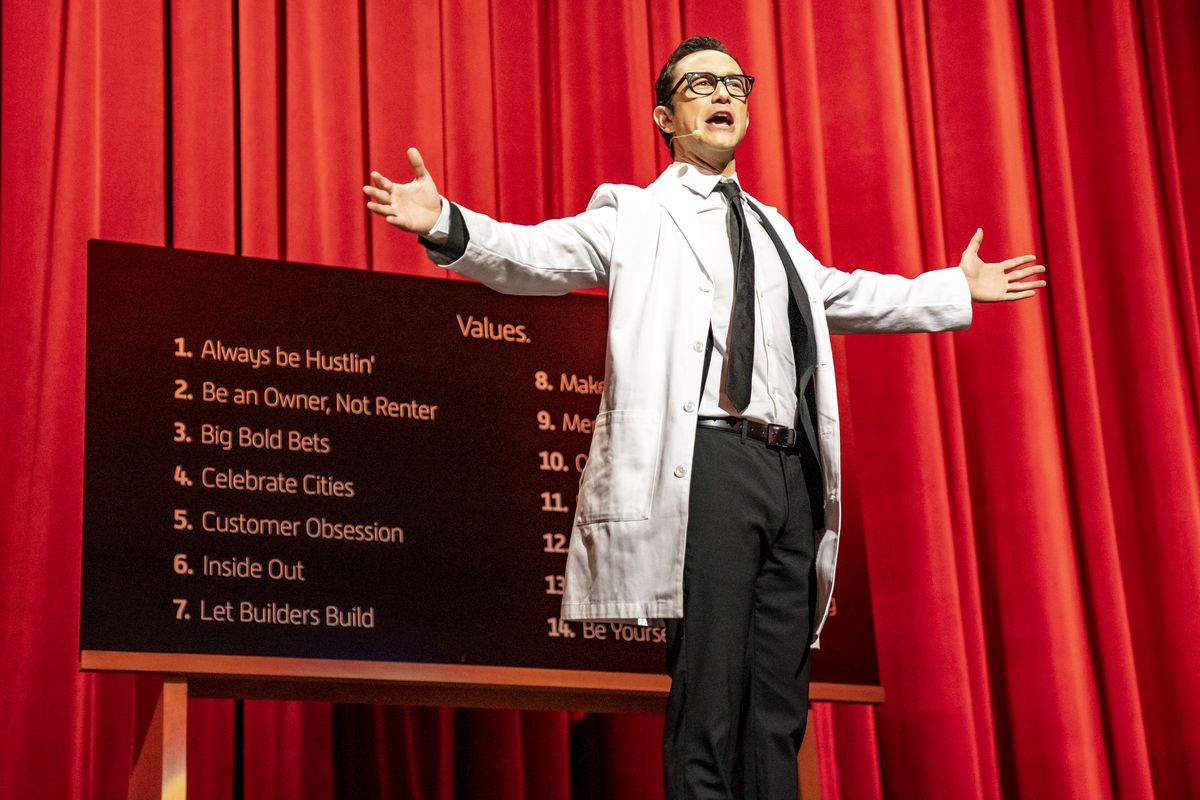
{"x":871,"y":302}
{"x":552,"y":257}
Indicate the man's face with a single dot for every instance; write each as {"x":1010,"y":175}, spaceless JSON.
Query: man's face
{"x":721,"y":119}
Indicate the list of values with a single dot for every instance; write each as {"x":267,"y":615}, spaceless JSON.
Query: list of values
{"x":307,"y":462}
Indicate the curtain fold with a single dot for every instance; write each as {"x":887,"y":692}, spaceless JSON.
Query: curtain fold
{"x":1027,"y":491}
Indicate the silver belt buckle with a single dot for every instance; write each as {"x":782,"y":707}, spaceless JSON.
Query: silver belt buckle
{"x":780,"y":436}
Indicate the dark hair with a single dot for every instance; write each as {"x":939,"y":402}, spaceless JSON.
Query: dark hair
{"x":665,"y":82}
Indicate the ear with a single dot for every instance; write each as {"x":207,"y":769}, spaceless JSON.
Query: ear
{"x":662,"y":118}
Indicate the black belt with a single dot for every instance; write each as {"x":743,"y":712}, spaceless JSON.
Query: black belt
{"x":772,"y":435}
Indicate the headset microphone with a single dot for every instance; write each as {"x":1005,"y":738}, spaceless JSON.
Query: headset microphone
{"x":696,"y":132}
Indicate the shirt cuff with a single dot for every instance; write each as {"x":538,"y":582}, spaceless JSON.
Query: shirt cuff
{"x":451,"y":230}
{"x":440,"y":232}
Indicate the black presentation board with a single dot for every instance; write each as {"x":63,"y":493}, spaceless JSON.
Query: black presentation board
{"x":299,"y":461}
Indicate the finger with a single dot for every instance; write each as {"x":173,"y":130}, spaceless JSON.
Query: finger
{"x":381,"y":182}
{"x":1016,"y":287}
{"x":381,"y":208}
{"x":377,"y":194}
{"x":1025,"y":273}
{"x":417,"y":164}
{"x":1019,"y":295}
{"x":1016,"y":262}
{"x":976,"y":240}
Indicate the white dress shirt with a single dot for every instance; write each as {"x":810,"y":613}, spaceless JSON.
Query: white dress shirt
{"x":773,"y":382}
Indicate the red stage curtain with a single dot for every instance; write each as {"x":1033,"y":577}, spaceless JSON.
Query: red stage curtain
{"x":1028,"y":489}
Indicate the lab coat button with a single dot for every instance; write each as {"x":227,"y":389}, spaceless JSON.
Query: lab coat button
{"x":681,"y":472}
{"x":698,"y":346}
{"x":706,"y":287}
{"x":689,"y":406}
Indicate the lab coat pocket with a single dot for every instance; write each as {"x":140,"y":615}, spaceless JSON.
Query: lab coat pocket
{"x":618,"y":482}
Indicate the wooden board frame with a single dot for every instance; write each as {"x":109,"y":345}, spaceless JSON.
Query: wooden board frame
{"x":465,"y":685}
{"x":160,"y":771}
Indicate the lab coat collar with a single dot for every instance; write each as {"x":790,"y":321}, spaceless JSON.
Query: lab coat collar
{"x":676,"y":188}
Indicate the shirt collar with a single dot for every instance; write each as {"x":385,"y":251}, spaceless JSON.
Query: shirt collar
{"x":699,"y":182}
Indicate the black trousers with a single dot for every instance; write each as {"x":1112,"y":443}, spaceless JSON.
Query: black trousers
{"x":739,"y":657}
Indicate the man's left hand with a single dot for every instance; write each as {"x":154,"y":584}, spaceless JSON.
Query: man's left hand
{"x":992,"y":283}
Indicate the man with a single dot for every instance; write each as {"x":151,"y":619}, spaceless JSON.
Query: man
{"x":711,"y":500}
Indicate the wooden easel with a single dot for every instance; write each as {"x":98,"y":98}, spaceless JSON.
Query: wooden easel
{"x":160,"y":769}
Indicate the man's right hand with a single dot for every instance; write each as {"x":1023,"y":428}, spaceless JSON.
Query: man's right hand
{"x":414,"y":206}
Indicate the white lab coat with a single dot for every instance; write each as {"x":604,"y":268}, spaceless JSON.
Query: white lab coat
{"x":625,"y":560}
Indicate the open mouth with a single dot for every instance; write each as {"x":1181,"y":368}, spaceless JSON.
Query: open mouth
{"x":721,"y":119}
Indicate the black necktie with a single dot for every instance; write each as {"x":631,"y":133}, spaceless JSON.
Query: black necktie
{"x":740,"y":355}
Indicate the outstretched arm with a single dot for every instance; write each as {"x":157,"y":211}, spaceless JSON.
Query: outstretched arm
{"x":937,"y":300}
{"x":552,"y":257}
{"x":1001,"y":281}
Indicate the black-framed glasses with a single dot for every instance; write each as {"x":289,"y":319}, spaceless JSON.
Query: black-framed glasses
{"x":705,"y":83}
